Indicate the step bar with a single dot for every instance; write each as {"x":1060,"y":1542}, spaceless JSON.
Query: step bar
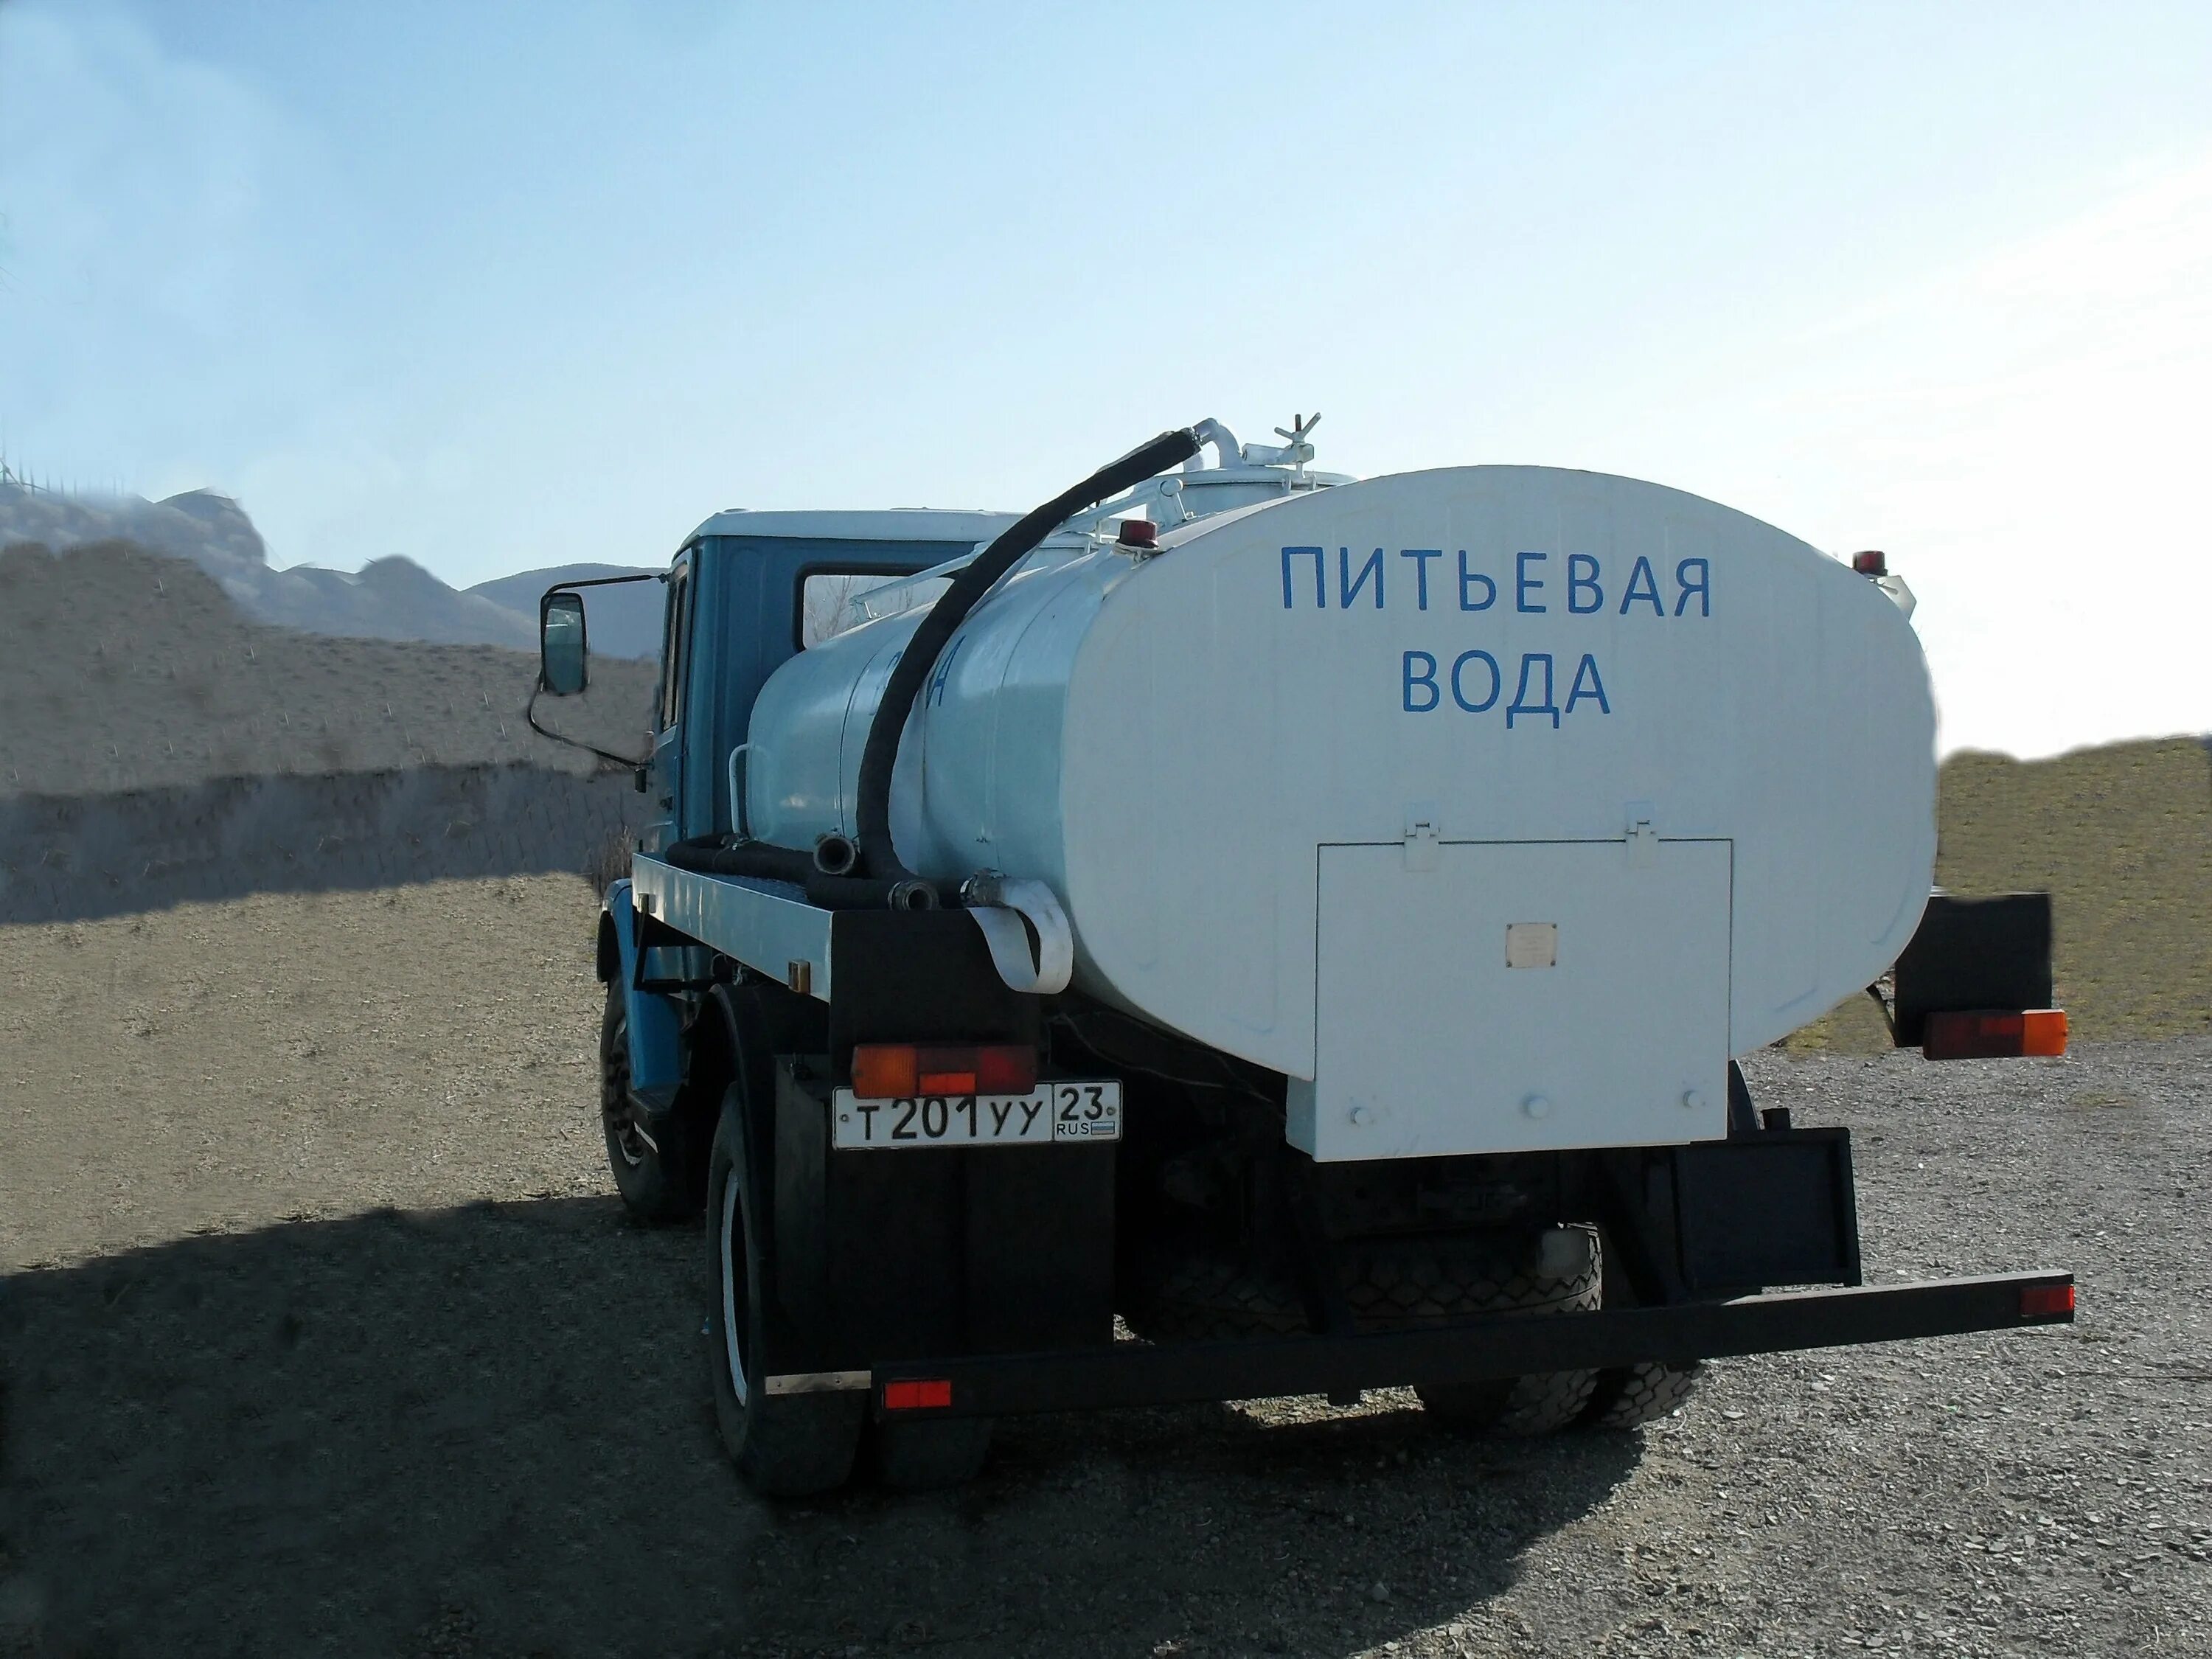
{"x":1471,"y":1351}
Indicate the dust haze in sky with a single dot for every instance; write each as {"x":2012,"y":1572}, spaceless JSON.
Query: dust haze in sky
{"x":502,"y":287}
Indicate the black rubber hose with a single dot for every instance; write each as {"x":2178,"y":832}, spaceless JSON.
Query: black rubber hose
{"x":835,"y":855}
{"x":756,"y":858}
{"x":877,"y":855}
{"x":865,"y":893}
{"x":763,"y":862}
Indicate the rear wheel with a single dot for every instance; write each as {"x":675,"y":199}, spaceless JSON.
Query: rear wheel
{"x":657,"y":1170}
{"x":1562,"y":1273}
{"x":1200,"y":1296}
{"x":1633,"y":1396}
{"x":1401,"y":1285}
{"x":790,"y":1445}
{"x":1628,"y":1396}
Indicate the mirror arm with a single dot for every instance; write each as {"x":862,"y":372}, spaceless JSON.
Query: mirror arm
{"x":635,"y":764}
{"x":604,"y":582}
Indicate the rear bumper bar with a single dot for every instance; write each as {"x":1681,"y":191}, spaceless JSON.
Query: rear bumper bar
{"x":1471,"y":1351}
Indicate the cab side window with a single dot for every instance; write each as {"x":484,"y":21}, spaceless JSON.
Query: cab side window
{"x":828,"y":602}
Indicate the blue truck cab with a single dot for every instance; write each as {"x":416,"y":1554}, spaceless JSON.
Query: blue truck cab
{"x":738,"y":598}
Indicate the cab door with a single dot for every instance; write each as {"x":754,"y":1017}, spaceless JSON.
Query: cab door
{"x":665,"y":778}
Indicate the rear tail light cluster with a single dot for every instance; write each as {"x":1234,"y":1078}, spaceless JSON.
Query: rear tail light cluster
{"x":1985,"y":1035}
{"x":2047,"y":1301}
{"x":899,"y":1071}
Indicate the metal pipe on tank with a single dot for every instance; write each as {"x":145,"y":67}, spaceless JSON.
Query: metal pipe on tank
{"x":1227,"y":450}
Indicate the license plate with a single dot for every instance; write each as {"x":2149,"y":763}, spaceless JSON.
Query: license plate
{"x":1062,"y":1110}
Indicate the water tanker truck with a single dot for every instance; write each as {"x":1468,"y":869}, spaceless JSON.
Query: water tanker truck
{"x":1238,"y":931}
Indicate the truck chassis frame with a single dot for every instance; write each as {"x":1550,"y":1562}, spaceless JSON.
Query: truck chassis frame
{"x":1692,"y":1231}
{"x":1466,"y":1351}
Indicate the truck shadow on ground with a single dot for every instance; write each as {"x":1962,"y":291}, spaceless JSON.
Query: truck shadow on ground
{"x":483,"y":1431}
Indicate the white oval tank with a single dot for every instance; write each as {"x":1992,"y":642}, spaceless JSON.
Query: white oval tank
{"x":1295,"y":782}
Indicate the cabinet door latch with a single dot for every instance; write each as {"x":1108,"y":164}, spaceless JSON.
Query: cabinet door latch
{"x":1422,"y":837}
{"x":1642,"y":836}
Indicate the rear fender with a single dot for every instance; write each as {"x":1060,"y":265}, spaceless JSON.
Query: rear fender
{"x":748,"y":1036}
{"x":606,"y":954}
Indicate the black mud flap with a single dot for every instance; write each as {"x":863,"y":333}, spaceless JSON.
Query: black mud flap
{"x":970,"y":1250}
{"x":1973,"y":955}
{"x":918,"y":976}
{"x":1715,"y":1218}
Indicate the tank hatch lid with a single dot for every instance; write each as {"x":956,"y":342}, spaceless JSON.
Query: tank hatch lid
{"x":903,"y":524}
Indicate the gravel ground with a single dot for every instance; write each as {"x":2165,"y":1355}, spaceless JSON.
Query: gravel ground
{"x":323,"y":1335}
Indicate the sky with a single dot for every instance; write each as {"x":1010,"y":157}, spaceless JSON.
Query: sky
{"x":496,"y":286}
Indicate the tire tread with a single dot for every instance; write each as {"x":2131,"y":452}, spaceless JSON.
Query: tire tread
{"x":1633,"y":1395}
{"x":1396,"y":1285}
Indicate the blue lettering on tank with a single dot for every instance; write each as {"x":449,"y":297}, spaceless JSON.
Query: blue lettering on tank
{"x":1702,"y":587}
{"x":943,"y":671}
{"x":1643,"y":584}
{"x":1582,"y":579}
{"x":1524,"y":583}
{"x":1459,"y":692}
{"x":1420,"y":557}
{"x":1588,"y":687}
{"x":1348,"y":587}
{"x":1468,"y":579}
{"x":1426,"y":680}
{"x":1321,"y":578}
{"x":1521,"y":705}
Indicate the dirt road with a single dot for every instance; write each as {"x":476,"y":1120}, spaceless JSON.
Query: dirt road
{"x":322,"y":1334}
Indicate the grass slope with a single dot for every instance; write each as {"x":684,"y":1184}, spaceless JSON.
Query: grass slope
{"x":2121,"y":836}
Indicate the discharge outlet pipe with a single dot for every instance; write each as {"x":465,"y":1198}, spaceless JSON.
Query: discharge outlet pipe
{"x":879,"y":862}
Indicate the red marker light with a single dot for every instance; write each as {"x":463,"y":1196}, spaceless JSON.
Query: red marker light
{"x":1870,"y":563}
{"x":1011,"y":1069}
{"x":1139,"y":532}
{"x":945,"y":1071}
{"x":934,"y":1394}
{"x":2047,"y":1301}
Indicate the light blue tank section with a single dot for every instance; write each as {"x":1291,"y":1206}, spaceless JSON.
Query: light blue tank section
{"x":1471,"y":658}
{"x":977,"y":784}
{"x":798,"y":783}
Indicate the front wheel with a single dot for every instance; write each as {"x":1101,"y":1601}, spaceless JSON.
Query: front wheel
{"x":656,"y":1169}
{"x":789,"y":1445}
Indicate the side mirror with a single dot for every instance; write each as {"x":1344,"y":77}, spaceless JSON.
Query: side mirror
{"x":561,"y":669}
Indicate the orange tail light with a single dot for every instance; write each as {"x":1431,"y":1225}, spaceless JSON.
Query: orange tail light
{"x":897,"y":1071}
{"x":1994,"y":1035}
